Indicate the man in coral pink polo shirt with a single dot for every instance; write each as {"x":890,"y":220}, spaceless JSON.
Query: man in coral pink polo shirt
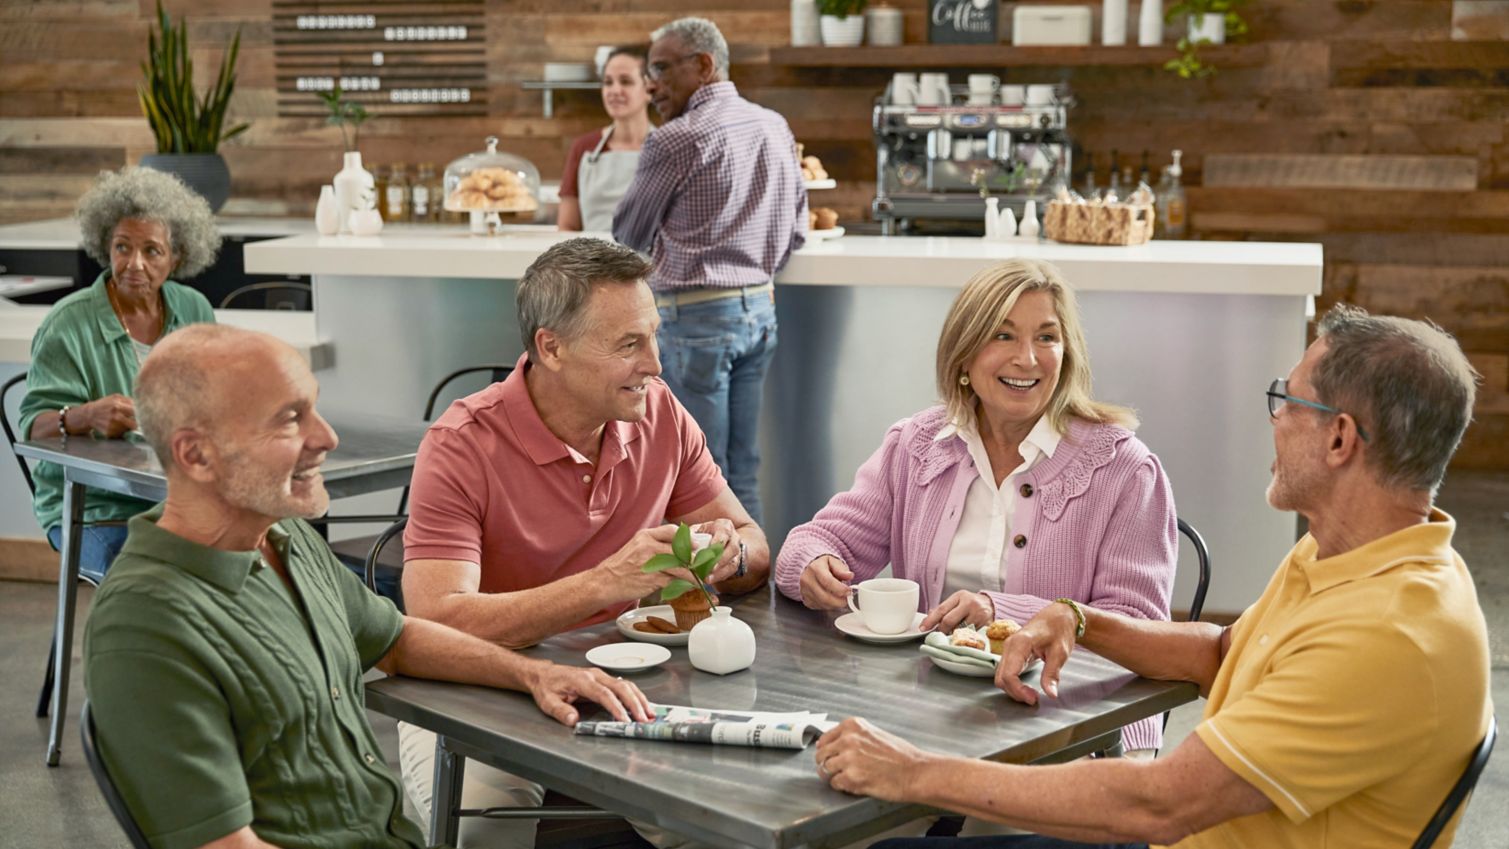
{"x":536,"y":501}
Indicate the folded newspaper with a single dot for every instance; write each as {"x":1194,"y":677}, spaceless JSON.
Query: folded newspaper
{"x":678,"y":724}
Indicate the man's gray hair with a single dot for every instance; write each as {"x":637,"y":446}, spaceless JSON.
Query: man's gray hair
{"x":699,"y":35}
{"x":1409,"y":385}
{"x":554,"y":290}
{"x":136,"y":192}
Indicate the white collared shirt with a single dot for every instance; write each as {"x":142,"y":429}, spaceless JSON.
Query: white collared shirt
{"x":977,"y":555}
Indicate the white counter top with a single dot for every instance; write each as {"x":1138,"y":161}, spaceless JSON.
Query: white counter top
{"x":1250,"y":268}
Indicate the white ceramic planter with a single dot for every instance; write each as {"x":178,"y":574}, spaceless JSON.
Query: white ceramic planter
{"x":847,"y":31}
{"x":327,"y":218}
{"x":721,"y":644}
{"x":1208,"y":28}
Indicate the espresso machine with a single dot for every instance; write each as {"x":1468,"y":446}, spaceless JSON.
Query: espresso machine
{"x":941,"y":149}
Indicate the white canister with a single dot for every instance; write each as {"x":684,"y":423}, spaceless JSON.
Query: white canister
{"x":885,"y":26}
{"x":804,"y":28}
{"x":1113,"y":22}
{"x":354,"y":189}
{"x":327,"y":217}
{"x":1150,"y":23}
{"x":721,"y":644}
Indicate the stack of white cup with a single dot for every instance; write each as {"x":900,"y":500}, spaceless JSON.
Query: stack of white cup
{"x":982,"y":89}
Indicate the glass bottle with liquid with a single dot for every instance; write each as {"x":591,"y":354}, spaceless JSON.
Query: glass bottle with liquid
{"x":380,"y":189}
{"x":1171,"y":203}
{"x":396,"y":203}
{"x":423,"y":193}
{"x":1088,"y":190}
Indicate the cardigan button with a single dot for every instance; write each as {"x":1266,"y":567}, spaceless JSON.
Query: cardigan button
{"x":1026,"y":490}
{"x":1019,"y":541}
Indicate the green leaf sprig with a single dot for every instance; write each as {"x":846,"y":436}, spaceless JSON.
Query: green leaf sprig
{"x":344,"y":113}
{"x":681,"y":557}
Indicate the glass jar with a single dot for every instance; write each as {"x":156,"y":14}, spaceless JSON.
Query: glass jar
{"x":492,"y":181}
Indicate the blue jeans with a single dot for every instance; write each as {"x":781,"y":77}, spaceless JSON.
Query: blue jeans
{"x":715,"y":355}
{"x":101,"y":544}
{"x":997,"y":841}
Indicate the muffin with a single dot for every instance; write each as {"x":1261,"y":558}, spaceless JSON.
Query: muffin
{"x":690,"y":608}
{"x":998,"y":631}
{"x":827,"y":218}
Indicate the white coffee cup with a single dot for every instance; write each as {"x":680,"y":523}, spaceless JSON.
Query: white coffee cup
{"x":986,"y":83}
{"x":700,"y":541}
{"x":1040,"y":95}
{"x":932,"y":89}
{"x":981,"y":98}
{"x":1013,"y":95}
{"x":886,"y":605}
{"x":903,"y":89}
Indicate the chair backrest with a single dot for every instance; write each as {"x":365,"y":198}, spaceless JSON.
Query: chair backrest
{"x":393,"y":530}
{"x":1202,"y":554}
{"x":107,"y":786}
{"x":10,"y":432}
{"x":292,"y":295}
{"x":495,"y":374}
{"x":1461,"y":789}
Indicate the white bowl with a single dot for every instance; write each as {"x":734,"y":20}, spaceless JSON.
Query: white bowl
{"x":568,"y":72}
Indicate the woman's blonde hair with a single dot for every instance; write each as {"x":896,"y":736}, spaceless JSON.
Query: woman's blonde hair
{"x":979,"y":312}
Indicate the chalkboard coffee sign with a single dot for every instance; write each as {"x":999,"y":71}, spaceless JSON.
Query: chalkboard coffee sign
{"x":962,"y":21}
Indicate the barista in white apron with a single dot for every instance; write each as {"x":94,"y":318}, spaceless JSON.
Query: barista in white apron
{"x":601,"y":180}
{"x":601,"y":164}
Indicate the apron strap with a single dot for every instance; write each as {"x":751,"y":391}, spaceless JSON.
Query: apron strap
{"x":601,"y":143}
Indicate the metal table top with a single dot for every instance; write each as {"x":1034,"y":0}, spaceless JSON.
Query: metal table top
{"x":764,"y":797}
{"x":375,"y":453}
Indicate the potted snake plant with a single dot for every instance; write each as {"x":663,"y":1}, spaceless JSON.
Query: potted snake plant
{"x":188,"y":127}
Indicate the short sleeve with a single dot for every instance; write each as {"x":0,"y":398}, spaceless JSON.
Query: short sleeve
{"x":164,"y":731}
{"x":1329,"y":717}
{"x":445,"y":514}
{"x":698,"y":479}
{"x":579,"y":149}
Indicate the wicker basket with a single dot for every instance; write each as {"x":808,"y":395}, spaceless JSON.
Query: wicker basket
{"x":1099,"y":224}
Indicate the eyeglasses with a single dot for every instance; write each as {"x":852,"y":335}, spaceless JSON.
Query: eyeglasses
{"x":1278,"y":396}
{"x":655,"y":70}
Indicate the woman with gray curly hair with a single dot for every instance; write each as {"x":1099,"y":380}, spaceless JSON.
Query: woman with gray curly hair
{"x":143,"y":226}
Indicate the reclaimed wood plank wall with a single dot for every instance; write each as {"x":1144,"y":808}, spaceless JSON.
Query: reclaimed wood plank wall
{"x":1375,"y":127}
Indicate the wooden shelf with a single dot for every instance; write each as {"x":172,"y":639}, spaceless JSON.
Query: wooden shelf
{"x":1004,"y":56}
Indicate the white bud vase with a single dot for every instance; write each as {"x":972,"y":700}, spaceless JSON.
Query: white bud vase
{"x":327,"y":217}
{"x":1029,"y":228}
{"x":721,"y":644}
{"x":354,"y":189}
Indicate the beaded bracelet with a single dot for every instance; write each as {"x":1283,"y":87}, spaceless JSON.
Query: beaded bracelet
{"x":63,"y":421}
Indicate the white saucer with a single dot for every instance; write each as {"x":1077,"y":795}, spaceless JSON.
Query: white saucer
{"x":628,"y":657}
{"x":823,"y":235}
{"x":854,"y":626}
{"x":626,"y":620}
{"x":974,"y":670}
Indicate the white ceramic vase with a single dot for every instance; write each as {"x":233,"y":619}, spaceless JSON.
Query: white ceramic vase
{"x":1150,"y":23}
{"x":804,"y":26}
{"x":721,"y":644}
{"x":1209,"y":28}
{"x":1029,"y":228}
{"x":1113,"y":22}
{"x":354,"y":189}
{"x":848,"y":31}
{"x":327,"y":218}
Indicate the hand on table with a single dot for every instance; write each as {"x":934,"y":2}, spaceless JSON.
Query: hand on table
{"x":556,"y":687}
{"x":825,"y":584}
{"x":112,"y":415}
{"x":961,"y":608}
{"x":722,"y":530}
{"x":859,"y":758}
{"x":1050,"y":636}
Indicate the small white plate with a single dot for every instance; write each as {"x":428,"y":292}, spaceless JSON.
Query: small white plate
{"x":974,"y":670}
{"x":824,"y":235}
{"x":627,"y":619}
{"x":628,"y":657}
{"x":854,"y":626}
{"x":819,"y":185}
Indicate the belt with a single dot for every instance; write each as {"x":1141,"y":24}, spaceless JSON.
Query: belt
{"x":701,"y":296}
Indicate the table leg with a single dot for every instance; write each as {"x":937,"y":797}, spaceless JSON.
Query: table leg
{"x":445,"y":801}
{"x":68,"y":587}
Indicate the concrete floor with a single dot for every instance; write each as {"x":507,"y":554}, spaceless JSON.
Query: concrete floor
{"x":61,"y":807}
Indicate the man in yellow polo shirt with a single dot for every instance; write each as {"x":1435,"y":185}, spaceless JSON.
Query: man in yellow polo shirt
{"x":1341,"y":707}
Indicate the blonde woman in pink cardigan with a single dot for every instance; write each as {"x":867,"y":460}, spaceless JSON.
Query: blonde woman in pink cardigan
{"x":1018,"y":490}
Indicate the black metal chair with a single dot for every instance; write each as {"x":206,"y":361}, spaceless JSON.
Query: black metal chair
{"x":44,"y":698}
{"x":293,"y":296}
{"x":1460,"y":790}
{"x":1202,"y":554}
{"x":357,"y":553}
{"x":107,"y":785}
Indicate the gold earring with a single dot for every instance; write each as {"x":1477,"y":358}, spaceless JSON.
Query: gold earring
{"x":963,"y":380}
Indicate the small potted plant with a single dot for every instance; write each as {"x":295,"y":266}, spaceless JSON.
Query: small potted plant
{"x":842,"y":22}
{"x":354,"y":188}
{"x":718,"y":643}
{"x":188,"y":128}
{"x":1207,"y":22}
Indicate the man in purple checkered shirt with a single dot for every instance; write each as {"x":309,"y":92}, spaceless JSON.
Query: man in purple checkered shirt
{"x":718,"y":202}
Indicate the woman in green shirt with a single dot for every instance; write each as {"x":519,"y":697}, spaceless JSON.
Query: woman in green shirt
{"x":143,"y":226}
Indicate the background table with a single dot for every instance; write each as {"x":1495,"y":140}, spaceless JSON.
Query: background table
{"x":766,"y":798}
{"x":375,"y":453}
